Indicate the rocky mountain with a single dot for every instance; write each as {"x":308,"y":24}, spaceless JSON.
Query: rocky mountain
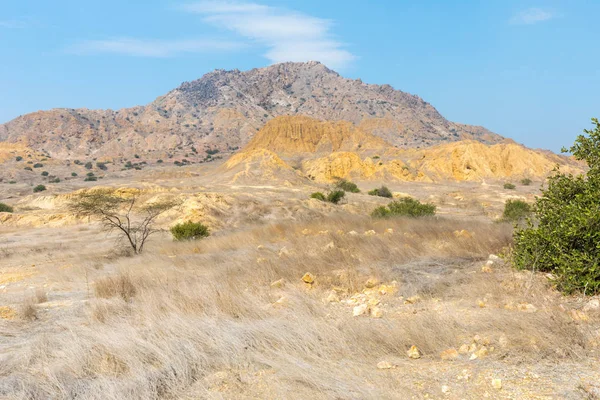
{"x":224,"y":109}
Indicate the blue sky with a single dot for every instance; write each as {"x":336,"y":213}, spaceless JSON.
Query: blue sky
{"x":529,"y":70}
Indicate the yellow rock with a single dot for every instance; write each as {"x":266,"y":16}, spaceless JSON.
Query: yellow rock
{"x":412,"y":300}
{"x":464,"y":349}
{"x":7,"y":313}
{"x":282,"y":302}
{"x":449,"y":355}
{"x":389,"y":231}
{"x":373,"y":301}
{"x":497,"y":383}
{"x":278,"y":283}
{"x":487,"y":269}
{"x":360,"y":310}
{"x":481,"y":303}
{"x":376,"y":312}
{"x":463,"y":234}
{"x":482,"y":352}
{"x":333,"y":297}
{"x":413,"y":352}
{"x":371,"y":283}
{"x":370,"y":233}
{"x":578,"y":315}
{"x":387,"y":289}
{"x":385,"y":365}
{"x":306,"y":231}
{"x":308,"y":278}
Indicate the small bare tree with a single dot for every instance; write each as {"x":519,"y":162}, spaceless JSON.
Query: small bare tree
{"x":121,"y":213}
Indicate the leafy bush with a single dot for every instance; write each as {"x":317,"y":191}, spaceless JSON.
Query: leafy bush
{"x":88,"y":165}
{"x":516,"y":210}
{"x":19,"y":158}
{"x":39,"y":188}
{"x":55,"y":180}
{"x":405,"y":207}
{"x":27,"y":169}
{"x":562,"y":236}
{"x":90,"y":174}
{"x":526,"y":182}
{"x":45,"y":173}
{"x":335,"y":196}
{"x":318,"y":196}
{"x":347,"y":186}
{"x":73,"y":174}
{"x":90,"y":179}
{"x":509,"y":186}
{"x":159,"y":161}
{"x":381,"y":192}
{"x":101,"y":166}
{"x":189,"y":231}
{"x":12,"y":182}
{"x":38,"y":165}
{"x":5,"y":208}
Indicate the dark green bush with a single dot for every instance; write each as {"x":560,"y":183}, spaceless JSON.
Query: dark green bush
{"x":509,"y":186}
{"x":90,"y":174}
{"x":515,"y":211}
{"x":88,"y":165}
{"x":19,"y":158}
{"x":563,"y":234}
{"x":54,"y":180}
{"x":27,"y":169}
{"x":102,"y":166}
{"x":405,"y":207}
{"x":347,"y":186}
{"x":189,"y":231}
{"x":526,"y":182}
{"x":12,"y":182}
{"x":318,"y":196}
{"x":39,"y":188}
{"x":73,"y":174}
{"x":38,"y":165}
{"x":45,"y":173}
{"x":159,"y":161}
{"x":90,"y":179}
{"x":381,"y":192}
{"x":335,"y":196}
{"x":5,"y":208}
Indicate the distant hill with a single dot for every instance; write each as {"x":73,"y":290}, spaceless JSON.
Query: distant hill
{"x":224,"y":109}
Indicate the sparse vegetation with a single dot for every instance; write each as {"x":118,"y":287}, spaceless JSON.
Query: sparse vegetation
{"x":405,"y":207}
{"x":90,"y":179}
{"x":516,"y":210}
{"x":335,"y":196}
{"x":189,"y":231}
{"x":73,"y":174}
{"x":88,"y":165}
{"x":39,"y":188}
{"x":347,"y":186}
{"x":6,"y":208}
{"x":45,"y":173}
{"x":18,"y":158}
{"x":38,"y":165}
{"x":54,"y":180}
{"x":381,"y":192}
{"x":318,"y":196}
{"x":121,"y":214}
{"x":101,"y":166}
{"x":509,"y":186}
{"x":526,"y":181}
{"x":562,"y":236}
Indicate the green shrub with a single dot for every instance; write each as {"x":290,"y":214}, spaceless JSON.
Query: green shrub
{"x":73,"y":174}
{"x":90,"y":179}
{"x":5,"y":208}
{"x":27,"y":169}
{"x":515,"y":211}
{"x":381,"y":192}
{"x":405,"y":207}
{"x":38,"y":165}
{"x":318,"y":196}
{"x":526,"y":182}
{"x":39,"y":188}
{"x":101,"y":166}
{"x":19,"y":158}
{"x":88,"y":165}
{"x":189,"y":231}
{"x":509,"y":186}
{"x":12,"y":182}
{"x":159,"y":161}
{"x":55,"y":180}
{"x":90,"y":174}
{"x":45,"y":173}
{"x":335,"y":196}
{"x":562,"y":236}
{"x":347,"y":186}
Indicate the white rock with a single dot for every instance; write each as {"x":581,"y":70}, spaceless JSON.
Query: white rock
{"x":385,"y":365}
{"x":497,"y":383}
{"x":592,"y":305}
{"x":493,"y":257}
{"x":329,"y":246}
{"x":352,"y":233}
{"x":360,"y":310}
{"x":445,"y":389}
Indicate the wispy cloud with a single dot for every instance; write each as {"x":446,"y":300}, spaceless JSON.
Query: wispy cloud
{"x":16,"y":23}
{"x":288,"y":35}
{"x":151,"y":48}
{"x":531,"y":16}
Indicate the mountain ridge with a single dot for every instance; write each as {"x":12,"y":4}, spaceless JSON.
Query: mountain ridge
{"x":224,"y":109}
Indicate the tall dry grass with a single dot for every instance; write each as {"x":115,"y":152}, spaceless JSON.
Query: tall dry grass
{"x":201,"y":319}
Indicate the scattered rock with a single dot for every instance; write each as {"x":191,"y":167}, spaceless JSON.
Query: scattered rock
{"x":333,"y":297}
{"x":482,"y":352}
{"x":412,"y":300}
{"x":284,"y":252}
{"x":329,"y":246}
{"x":7,"y":313}
{"x":323,"y":232}
{"x":260,"y":247}
{"x":282,"y":302}
{"x":352,"y":233}
{"x":385,"y":365}
{"x":306,"y":231}
{"x":371,"y":283}
{"x":308,"y":278}
{"x":579,"y":315}
{"x":463,"y":234}
{"x":389,"y":231}
{"x":370,"y":233}
{"x":376,"y":312}
{"x":592,"y":305}
{"x":360,"y":310}
{"x":445,"y":389}
{"x":497,"y":383}
{"x":464,"y":349}
{"x":387,"y":289}
{"x":526,"y":307}
{"x":261,"y":260}
{"x":413,"y":352}
{"x":481,"y":303}
{"x":449,"y":355}
{"x":487,"y":269}
{"x":278,"y":283}
{"x":494,"y":258}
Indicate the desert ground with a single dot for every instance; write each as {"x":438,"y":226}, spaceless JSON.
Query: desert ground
{"x":289,"y":298}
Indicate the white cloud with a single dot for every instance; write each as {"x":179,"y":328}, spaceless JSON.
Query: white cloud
{"x":151,"y":48}
{"x":531,"y":16}
{"x":289,"y":35}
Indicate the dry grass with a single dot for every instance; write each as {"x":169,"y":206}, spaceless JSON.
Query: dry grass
{"x":201,"y":320}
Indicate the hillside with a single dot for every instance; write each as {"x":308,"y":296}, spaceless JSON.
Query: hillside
{"x":224,"y":109}
{"x":324,"y":151}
